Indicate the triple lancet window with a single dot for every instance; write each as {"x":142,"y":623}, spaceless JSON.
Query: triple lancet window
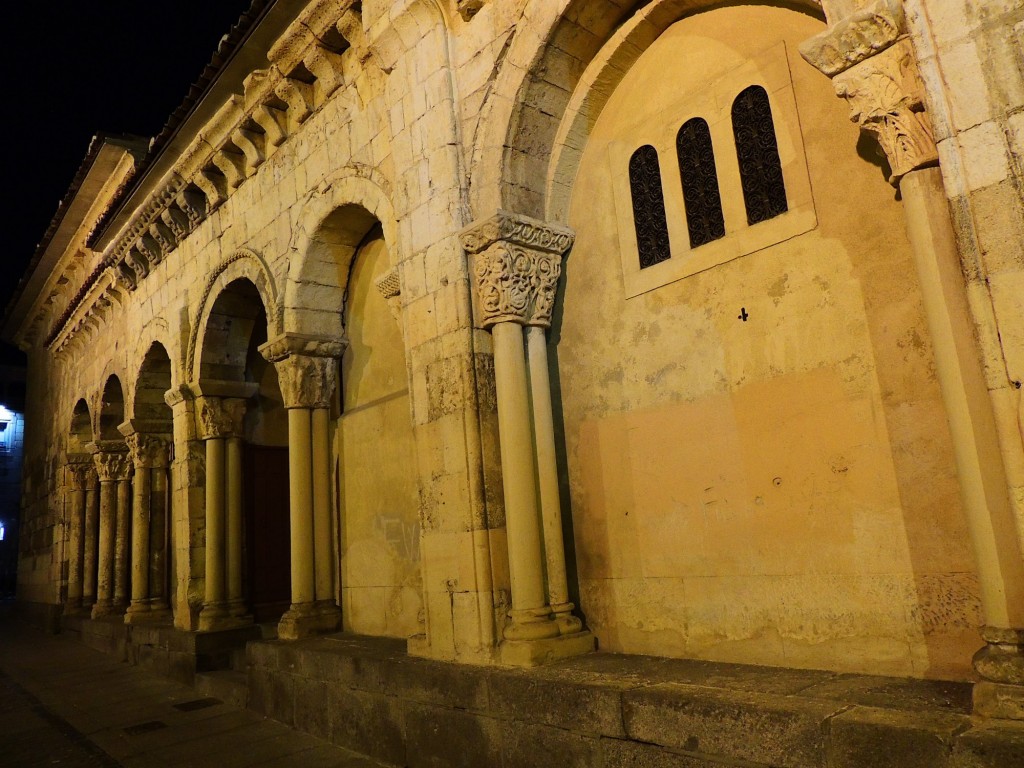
{"x":757,"y":153}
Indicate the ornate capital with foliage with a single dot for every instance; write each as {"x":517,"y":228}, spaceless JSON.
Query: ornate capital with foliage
{"x":148,"y":451}
{"x":112,"y":463}
{"x":307,"y":381}
{"x":219,"y":417}
{"x":516,"y":262}
{"x":81,"y":472}
{"x":885,"y":95}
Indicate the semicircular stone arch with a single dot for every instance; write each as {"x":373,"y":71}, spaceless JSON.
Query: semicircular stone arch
{"x":80,"y":428}
{"x":111,"y":410}
{"x":149,"y":410}
{"x":246,"y":265}
{"x":539,"y":116}
{"x":336,"y":219}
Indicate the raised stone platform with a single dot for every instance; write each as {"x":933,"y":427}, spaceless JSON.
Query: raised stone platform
{"x":162,"y":648}
{"x":614,"y":711}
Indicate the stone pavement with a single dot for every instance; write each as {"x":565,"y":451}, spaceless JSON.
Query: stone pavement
{"x":64,"y":704}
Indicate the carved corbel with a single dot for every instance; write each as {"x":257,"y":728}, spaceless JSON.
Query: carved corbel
{"x":191,"y":201}
{"x":390,"y":288}
{"x":516,"y":264}
{"x":150,"y":249}
{"x":253,"y":146}
{"x":138,"y":264}
{"x":163,"y":236}
{"x":469,"y":8}
{"x":885,"y":95}
{"x":299,"y":98}
{"x":126,"y":277}
{"x":176,"y":222}
{"x":232,"y":165}
{"x":327,"y":67}
{"x":274,"y":123}
{"x":213,"y":186}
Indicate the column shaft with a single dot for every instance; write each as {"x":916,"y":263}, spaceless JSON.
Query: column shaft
{"x":140,"y":540}
{"x":322,"y":535}
{"x":158,"y":538}
{"x":214,"y":524}
{"x":122,"y":545}
{"x":976,"y":451}
{"x":76,"y":543}
{"x":300,"y":481}
{"x":234,"y":524}
{"x":522,"y":520}
{"x":547,"y":477}
{"x":105,"y":553}
{"x":90,"y":545}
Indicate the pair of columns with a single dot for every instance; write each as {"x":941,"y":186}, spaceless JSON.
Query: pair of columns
{"x":149,"y":455}
{"x":307,"y":372}
{"x":873,"y":66}
{"x":83,"y":531}
{"x":113,"y":470}
{"x":219,"y":420}
{"x":516,"y":264}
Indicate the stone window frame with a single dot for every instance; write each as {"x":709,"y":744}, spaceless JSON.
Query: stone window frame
{"x":713,"y":102}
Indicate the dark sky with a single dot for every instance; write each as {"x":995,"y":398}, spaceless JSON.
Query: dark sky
{"x":74,"y":69}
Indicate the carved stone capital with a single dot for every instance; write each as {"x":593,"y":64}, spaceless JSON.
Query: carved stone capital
{"x":519,"y":230}
{"x":219,"y":416}
{"x":81,"y":472}
{"x":307,"y":381}
{"x":112,"y":463}
{"x":856,"y":37}
{"x":516,"y":262}
{"x":885,"y":94}
{"x":514,"y":285}
{"x":148,"y":451}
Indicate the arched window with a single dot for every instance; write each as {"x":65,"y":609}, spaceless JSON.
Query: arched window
{"x":648,"y":206}
{"x":764,"y":191}
{"x":700,"y":182}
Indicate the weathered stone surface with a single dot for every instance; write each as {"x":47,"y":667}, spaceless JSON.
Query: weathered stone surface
{"x":993,"y":745}
{"x":780,"y":731}
{"x":368,"y":723}
{"x":630,"y":754}
{"x":538,"y":746}
{"x":880,"y":738}
{"x":445,"y":737}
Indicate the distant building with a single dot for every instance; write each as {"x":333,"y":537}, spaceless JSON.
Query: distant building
{"x":12,"y":439}
{"x":510,"y":328}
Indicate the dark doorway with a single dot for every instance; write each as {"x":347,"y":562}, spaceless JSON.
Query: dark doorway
{"x":267,"y":536}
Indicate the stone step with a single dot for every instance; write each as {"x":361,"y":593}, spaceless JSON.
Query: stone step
{"x":238,"y":660}
{"x":228,"y":685}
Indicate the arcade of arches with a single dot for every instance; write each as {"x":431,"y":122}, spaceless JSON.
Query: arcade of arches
{"x":516,"y":328}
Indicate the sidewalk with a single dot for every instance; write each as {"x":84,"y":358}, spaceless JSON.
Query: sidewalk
{"x":64,"y":704}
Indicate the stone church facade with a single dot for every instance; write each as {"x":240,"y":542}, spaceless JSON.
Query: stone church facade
{"x":515,"y":328}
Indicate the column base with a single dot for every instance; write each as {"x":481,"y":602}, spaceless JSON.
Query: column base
{"x":103,"y":608}
{"x":308,"y":619}
{"x":1001,"y":665}
{"x":238,"y":609}
{"x":147,"y":613}
{"x":531,"y":624}
{"x":216,"y":617}
{"x":532,"y":653}
{"x":567,"y":623}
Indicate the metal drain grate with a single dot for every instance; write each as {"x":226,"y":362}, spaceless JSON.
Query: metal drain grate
{"x":151,"y":725}
{"x":192,"y":706}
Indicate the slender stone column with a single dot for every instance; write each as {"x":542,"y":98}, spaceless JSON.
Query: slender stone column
{"x":122,"y":545}
{"x":90,"y":545}
{"x":79,"y":468}
{"x":307,"y":372}
{"x":221,"y":422}
{"x":516,"y":263}
{"x":112,"y":467}
{"x":236,"y":600}
{"x":147,"y":452}
{"x":158,"y":534}
{"x":323,"y":537}
{"x":547,"y":476}
{"x":874,"y":68}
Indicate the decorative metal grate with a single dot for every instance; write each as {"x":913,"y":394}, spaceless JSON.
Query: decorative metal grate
{"x":703,"y":201}
{"x":764,"y":191}
{"x":648,"y":206}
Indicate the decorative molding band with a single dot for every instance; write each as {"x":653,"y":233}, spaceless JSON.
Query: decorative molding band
{"x":856,"y":38}
{"x":515,"y":229}
{"x":886,"y":98}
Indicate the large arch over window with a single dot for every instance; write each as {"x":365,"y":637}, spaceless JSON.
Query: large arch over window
{"x":80,"y":431}
{"x":112,"y":409}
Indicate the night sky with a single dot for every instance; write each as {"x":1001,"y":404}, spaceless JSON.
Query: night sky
{"x":74,"y":69}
